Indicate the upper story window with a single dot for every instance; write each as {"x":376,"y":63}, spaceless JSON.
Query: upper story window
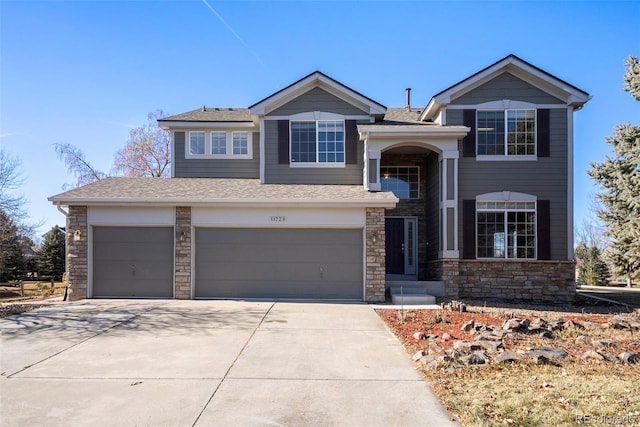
{"x":403,"y":181}
{"x":317,"y":142}
{"x":506,"y":229}
{"x":219,"y":145}
{"x":196,"y":143}
{"x":506,"y":133}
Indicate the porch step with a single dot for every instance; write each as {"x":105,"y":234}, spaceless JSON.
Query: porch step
{"x":415,"y":293}
{"x":431,"y":287}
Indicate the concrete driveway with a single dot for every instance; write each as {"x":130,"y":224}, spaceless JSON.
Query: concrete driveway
{"x":206,"y":363}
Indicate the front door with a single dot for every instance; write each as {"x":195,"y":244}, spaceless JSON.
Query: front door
{"x":394,"y":245}
{"x":400,"y":245}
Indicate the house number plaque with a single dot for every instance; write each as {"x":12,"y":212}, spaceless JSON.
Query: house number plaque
{"x":278,"y":219}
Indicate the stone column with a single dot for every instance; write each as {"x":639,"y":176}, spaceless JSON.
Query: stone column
{"x":77,"y":245}
{"x":183,"y":253}
{"x":375,"y":257}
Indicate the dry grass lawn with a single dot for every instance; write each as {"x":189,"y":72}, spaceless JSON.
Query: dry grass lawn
{"x":576,"y":392}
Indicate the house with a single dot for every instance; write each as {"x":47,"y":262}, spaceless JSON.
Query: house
{"x":318,"y":191}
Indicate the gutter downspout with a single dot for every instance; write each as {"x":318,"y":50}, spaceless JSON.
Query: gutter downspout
{"x":66,"y":261}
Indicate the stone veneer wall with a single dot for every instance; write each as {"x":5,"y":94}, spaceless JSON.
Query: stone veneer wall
{"x":551,"y":281}
{"x":183,"y":253}
{"x":77,"y":252}
{"x":375,"y":256}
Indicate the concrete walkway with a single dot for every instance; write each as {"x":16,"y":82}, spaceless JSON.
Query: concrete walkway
{"x":208,"y":363}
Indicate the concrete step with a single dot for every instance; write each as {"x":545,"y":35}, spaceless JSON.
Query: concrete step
{"x":431,"y":287}
{"x":411,"y":298}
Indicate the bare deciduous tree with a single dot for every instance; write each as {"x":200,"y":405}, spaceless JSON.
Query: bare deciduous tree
{"x":147,"y":151}
{"x":77,"y":165}
{"x":11,"y":203}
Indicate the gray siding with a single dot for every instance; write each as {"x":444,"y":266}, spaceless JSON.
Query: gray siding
{"x":317,"y":100}
{"x":506,"y":86}
{"x":545,"y":178}
{"x":283,"y":174}
{"x":214,"y":168}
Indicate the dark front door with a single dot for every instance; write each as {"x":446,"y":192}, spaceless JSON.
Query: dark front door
{"x":394,"y":245}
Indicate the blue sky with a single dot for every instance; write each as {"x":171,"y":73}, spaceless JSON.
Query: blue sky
{"x":86,"y":72}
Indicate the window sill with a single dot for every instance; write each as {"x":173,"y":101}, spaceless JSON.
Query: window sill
{"x":487,"y":158}
{"x":303,"y":165}
{"x":219,"y":156}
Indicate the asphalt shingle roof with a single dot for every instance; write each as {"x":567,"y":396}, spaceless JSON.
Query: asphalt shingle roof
{"x":402,"y":116}
{"x":194,"y":191}
{"x":211,"y":114}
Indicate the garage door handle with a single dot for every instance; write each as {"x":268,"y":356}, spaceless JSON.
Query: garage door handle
{"x":133,"y":269}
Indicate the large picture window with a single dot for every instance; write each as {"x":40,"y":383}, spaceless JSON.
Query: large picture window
{"x":319,"y":141}
{"x":506,"y":133}
{"x":506,"y":229}
{"x":403,"y":181}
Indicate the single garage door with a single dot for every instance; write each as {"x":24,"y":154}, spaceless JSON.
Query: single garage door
{"x":133,"y":262}
{"x":278,"y":263}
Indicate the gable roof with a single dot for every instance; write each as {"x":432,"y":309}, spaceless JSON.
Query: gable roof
{"x":518,"y":67}
{"x":120,"y":191}
{"x":211,"y":114}
{"x":313,"y":80}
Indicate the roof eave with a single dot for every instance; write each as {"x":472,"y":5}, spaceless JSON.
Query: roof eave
{"x":387,"y":202}
{"x":167,"y":125}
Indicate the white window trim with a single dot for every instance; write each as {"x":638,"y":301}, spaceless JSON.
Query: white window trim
{"x":403,"y":167}
{"x":229,"y":144}
{"x":187,"y":145}
{"x":506,"y":156}
{"x":327,"y":117}
{"x":502,"y":197}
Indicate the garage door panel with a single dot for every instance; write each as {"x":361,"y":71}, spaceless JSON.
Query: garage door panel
{"x":132,"y":262}
{"x":279,"y":263}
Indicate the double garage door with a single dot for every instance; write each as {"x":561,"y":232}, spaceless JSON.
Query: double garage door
{"x":278,"y":263}
{"x":231,"y":263}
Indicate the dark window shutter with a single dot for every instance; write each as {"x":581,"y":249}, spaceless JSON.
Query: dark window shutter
{"x":469,"y":229}
{"x":283,"y":142}
{"x":469,"y":141}
{"x":544,"y":133}
{"x":350,"y":142}
{"x":544,"y":229}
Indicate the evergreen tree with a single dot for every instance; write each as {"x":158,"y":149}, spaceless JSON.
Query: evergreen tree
{"x":12,"y":262}
{"x":50,"y":256}
{"x":619,"y":178}
{"x":593,"y":271}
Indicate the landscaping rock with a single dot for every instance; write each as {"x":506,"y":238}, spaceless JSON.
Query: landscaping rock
{"x":469,"y":326}
{"x":446,"y":337}
{"x":570,"y":324}
{"x":546,"y":334}
{"x":555,"y":325}
{"x":548,"y":352}
{"x":508,"y":357}
{"x":630,"y":358}
{"x":538,"y":323}
{"x":465,"y":347}
{"x":592,"y":355}
{"x":618,"y":322}
{"x":511,"y":324}
{"x":420,"y":335}
{"x":418,"y":355}
{"x":604,"y":343}
{"x":476,"y":358}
